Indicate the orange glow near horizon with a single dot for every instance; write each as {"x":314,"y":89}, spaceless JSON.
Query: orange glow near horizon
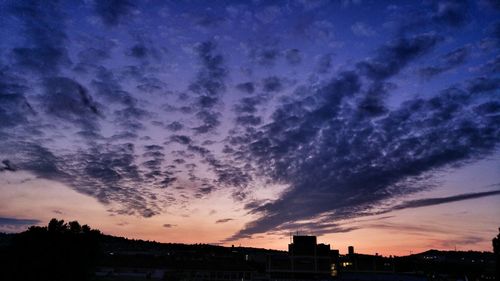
{"x":399,"y":233}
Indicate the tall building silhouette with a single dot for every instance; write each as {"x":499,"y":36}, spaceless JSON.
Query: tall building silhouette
{"x":350,"y":250}
{"x":305,"y":260}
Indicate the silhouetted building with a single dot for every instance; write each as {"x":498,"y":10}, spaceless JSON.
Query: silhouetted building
{"x":350,"y":250}
{"x":366,"y":263}
{"x":305,"y":260}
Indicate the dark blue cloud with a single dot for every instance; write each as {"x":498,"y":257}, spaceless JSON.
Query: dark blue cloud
{"x":67,"y":99}
{"x":181,"y":139}
{"x":210,"y":121}
{"x":248,"y":120}
{"x":452,"y":13}
{"x":94,"y":54}
{"x":175,"y":126}
{"x":151,"y":85}
{"x":445,"y":14}
{"x":319,"y":145}
{"x":351,"y":168}
{"x":272,"y":84}
{"x":208,"y":86}
{"x":293,"y":56}
{"x":138,"y":51}
{"x":113,"y":12}
{"x":45,"y":36}
{"x":7,"y":166}
{"x":18,"y":222}
{"x":446,"y":62}
{"x":264,"y":51}
{"x":247,"y":87}
{"x":324,"y":63}
{"x":324,"y":226}
{"x":491,"y":66}
{"x":15,"y":109}
{"x":391,"y":58}
{"x":145,"y":50}
{"x":373,"y":102}
{"x":35,"y":158}
{"x":208,"y":20}
{"x":494,"y":3}
{"x":248,"y":104}
{"x":483,"y":84}
{"x":210,"y":78}
{"x":109,"y":173}
{"x":107,"y":86}
{"x":443,"y":200}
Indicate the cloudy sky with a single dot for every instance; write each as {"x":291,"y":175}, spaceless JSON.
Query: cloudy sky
{"x":369,"y":123}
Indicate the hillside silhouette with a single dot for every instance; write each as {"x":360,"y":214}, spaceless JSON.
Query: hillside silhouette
{"x":70,"y":251}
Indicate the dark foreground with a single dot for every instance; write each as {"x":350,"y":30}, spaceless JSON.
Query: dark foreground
{"x":69,"y":251}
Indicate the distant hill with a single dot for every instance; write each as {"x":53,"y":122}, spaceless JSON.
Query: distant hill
{"x":68,"y":251}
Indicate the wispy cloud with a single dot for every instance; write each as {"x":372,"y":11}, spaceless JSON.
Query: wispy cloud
{"x":17,"y":222}
{"x":224,"y":220}
{"x":443,"y":200}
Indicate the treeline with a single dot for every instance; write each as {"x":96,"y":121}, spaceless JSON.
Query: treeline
{"x":69,"y":251}
{"x":59,"y":251}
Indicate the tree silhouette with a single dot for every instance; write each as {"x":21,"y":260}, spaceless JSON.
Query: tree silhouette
{"x":56,"y":226}
{"x":61,"y":251}
{"x":74,"y":227}
{"x":496,"y":250}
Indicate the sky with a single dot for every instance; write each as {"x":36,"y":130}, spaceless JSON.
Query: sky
{"x":367,"y":123}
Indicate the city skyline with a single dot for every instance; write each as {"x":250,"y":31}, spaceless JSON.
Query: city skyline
{"x":366,"y":123}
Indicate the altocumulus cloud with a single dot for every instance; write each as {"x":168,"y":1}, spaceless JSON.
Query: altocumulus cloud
{"x":341,"y":164}
{"x":152,"y":110}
